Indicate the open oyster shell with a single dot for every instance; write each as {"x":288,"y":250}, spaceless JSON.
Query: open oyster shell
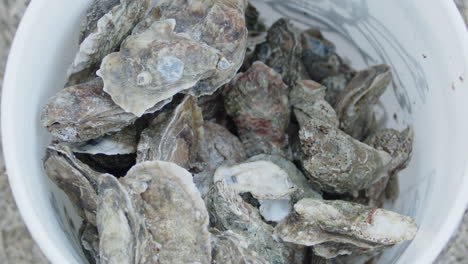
{"x":82,"y":112}
{"x":257,"y":100}
{"x":228,"y":211}
{"x":121,"y":142}
{"x":109,"y":32}
{"x":263,"y":179}
{"x":354,"y":106}
{"x":174,"y":135}
{"x":338,"y":227}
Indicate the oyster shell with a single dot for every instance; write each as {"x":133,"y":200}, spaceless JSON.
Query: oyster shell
{"x":303,"y":188}
{"x":174,"y":135}
{"x":263,"y":179}
{"x":123,"y":234}
{"x":308,"y":101}
{"x":400,"y":146}
{"x":231,"y":248}
{"x":338,"y":227}
{"x":320,"y":58}
{"x":153,"y":215}
{"x":257,"y":101}
{"x":110,"y":31}
{"x":82,"y":112}
{"x":338,"y":163}
{"x":121,"y":142}
{"x":218,"y":146}
{"x":96,"y":10}
{"x":175,"y":213}
{"x":154,"y":65}
{"x":90,"y":242}
{"x":354,"y":106}
{"x":228,"y":211}
{"x":76,"y":179}
{"x":282,"y":52}
{"x":335,"y":84}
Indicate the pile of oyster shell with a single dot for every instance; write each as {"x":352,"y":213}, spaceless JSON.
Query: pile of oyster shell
{"x":188,"y":132}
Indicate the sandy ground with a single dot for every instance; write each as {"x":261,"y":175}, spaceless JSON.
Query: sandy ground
{"x":16,"y":245}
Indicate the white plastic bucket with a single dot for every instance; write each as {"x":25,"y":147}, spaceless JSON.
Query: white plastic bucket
{"x":425,"y":41}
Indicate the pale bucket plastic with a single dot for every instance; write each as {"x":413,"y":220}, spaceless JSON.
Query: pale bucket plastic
{"x":425,"y":42}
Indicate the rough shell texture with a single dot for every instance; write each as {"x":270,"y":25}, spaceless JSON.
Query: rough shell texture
{"x":83,"y":112}
{"x":154,"y":65}
{"x":109,"y":32}
{"x":218,"y":146}
{"x":308,"y":101}
{"x":356,"y":227}
{"x":90,"y":242}
{"x":174,"y":212}
{"x":231,"y":248}
{"x":257,"y":100}
{"x":282,"y":52}
{"x":174,"y":135}
{"x":320,"y":59}
{"x":228,"y":211}
{"x":123,"y":234}
{"x":354,"y":106}
{"x":75,"y":178}
{"x":335,"y":84}
{"x":95,"y":11}
{"x":337,"y":162}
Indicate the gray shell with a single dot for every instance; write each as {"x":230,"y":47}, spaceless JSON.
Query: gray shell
{"x":154,"y":65}
{"x":357,"y":227}
{"x":123,"y":235}
{"x":282,"y":51}
{"x":257,"y":100}
{"x":153,"y":215}
{"x":96,"y":10}
{"x":355,"y":105}
{"x":84,"y":111}
{"x":338,"y":163}
{"x":75,"y":178}
{"x":228,"y":211}
{"x":218,"y":146}
{"x":90,"y":242}
{"x":174,"y":135}
{"x":109,"y":32}
{"x":308,"y":101}
{"x":231,"y":248}
{"x":400,"y":146}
